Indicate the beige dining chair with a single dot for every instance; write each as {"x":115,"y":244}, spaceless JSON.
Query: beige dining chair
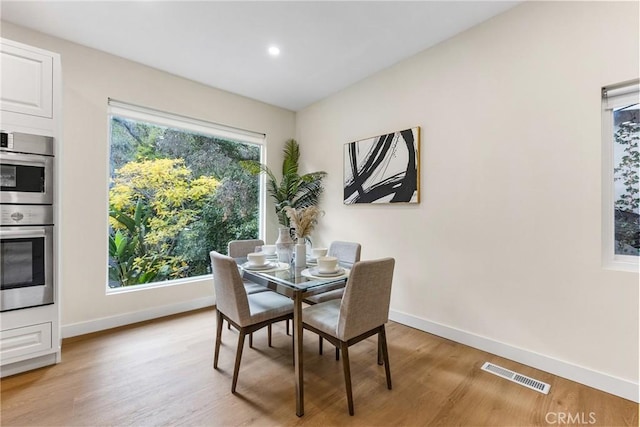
{"x":246,"y":312}
{"x":361,"y":313}
{"x":348,"y":253}
{"x":240,"y":249}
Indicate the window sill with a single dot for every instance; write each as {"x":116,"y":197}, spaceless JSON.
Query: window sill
{"x":629,"y":265}
{"x":156,"y":285}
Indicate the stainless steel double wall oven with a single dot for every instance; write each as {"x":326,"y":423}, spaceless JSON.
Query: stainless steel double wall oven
{"x":26,"y":221}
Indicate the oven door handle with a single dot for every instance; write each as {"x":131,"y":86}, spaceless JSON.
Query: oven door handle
{"x":24,"y":159}
{"x":6,"y":234}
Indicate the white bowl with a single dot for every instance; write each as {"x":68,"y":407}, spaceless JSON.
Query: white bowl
{"x":257,"y":258}
{"x":269,"y":249}
{"x":318,"y":252}
{"x":327,"y":264}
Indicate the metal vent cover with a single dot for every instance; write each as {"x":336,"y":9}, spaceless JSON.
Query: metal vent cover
{"x":516,"y":377}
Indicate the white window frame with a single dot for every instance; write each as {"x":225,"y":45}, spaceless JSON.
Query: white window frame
{"x":176,"y":121}
{"x":614,"y":96}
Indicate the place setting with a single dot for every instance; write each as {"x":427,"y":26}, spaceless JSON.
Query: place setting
{"x":263,"y":261}
{"x":269,"y":251}
{"x":327,"y":267}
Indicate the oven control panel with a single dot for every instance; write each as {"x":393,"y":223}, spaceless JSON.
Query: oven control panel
{"x":26,"y":143}
{"x":17,"y":215}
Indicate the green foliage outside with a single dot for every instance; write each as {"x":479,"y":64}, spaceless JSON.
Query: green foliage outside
{"x":175,"y":196}
{"x":627,"y":218}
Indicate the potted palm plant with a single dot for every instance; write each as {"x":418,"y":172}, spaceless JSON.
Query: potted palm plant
{"x":293,"y":190}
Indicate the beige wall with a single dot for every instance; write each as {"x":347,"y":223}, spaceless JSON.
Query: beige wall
{"x":90,"y":77}
{"x":505,"y":244}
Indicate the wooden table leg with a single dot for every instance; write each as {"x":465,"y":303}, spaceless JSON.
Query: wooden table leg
{"x":297,"y":352}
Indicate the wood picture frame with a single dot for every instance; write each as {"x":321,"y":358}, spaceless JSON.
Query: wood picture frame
{"x":383,"y":169}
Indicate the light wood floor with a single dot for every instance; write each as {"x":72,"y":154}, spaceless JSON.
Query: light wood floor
{"x":160,"y":373}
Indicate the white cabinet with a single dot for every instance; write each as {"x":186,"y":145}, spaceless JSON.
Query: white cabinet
{"x":30,"y":339}
{"x":26,"y":81}
{"x":30,"y":88}
{"x":31,"y":102}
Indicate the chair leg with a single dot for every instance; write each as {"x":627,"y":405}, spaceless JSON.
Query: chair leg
{"x":382,"y":337}
{"x":228,"y":326}
{"x":218,"y":339}
{"x":380,"y":361}
{"x":251,"y":340}
{"x":337,"y":353}
{"x":236,"y":368}
{"x":320,"y":344}
{"x":269,"y":334}
{"x":287,"y":322}
{"x":347,"y":375}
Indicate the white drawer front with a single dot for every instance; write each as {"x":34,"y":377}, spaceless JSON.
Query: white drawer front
{"x":23,"y":341}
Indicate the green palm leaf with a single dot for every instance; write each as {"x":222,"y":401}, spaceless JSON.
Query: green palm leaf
{"x":293,"y":190}
{"x":291,"y":157}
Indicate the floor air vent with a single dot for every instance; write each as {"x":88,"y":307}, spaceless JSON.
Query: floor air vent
{"x":516,"y":377}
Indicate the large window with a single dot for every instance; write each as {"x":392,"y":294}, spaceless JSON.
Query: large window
{"x":177,"y":190}
{"x":621,"y":172}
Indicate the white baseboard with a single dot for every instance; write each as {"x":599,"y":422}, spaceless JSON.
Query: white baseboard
{"x":598,"y":380}
{"x":29,"y":364}
{"x":104,"y":323}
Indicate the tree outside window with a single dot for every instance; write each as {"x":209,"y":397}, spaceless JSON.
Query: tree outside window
{"x":175,"y":195}
{"x":626,"y":171}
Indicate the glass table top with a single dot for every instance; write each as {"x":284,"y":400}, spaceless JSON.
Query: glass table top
{"x":297,"y":278}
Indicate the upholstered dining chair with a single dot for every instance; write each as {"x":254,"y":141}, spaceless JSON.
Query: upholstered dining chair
{"x":240,"y":249}
{"x":246,"y":312}
{"x":348,"y":253}
{"x":361,"y":313}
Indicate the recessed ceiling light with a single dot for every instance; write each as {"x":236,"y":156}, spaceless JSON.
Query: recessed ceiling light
{"x":274,"y":50}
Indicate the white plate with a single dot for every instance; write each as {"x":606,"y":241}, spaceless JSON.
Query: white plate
{"x":265,"y":266}
{"x":315,"y":272}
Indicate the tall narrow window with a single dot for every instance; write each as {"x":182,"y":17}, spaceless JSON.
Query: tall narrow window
{"x":621,"y":173}
{"x":177,"y":190}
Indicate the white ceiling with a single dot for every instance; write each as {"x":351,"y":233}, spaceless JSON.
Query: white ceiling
{"x":325,"y":46}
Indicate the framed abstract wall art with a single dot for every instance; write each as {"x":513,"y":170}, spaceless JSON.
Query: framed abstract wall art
{"x":383,"y":169}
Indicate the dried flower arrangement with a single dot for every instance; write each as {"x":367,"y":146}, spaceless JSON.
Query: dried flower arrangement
{"x":303,"y":219}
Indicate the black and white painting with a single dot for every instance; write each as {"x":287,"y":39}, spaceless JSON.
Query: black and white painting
{"x":383,"y":169}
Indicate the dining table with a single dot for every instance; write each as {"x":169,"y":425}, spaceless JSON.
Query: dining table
{"x":297,"y":283}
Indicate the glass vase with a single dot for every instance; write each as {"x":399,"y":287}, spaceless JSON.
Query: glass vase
{"x":284,"y":245}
